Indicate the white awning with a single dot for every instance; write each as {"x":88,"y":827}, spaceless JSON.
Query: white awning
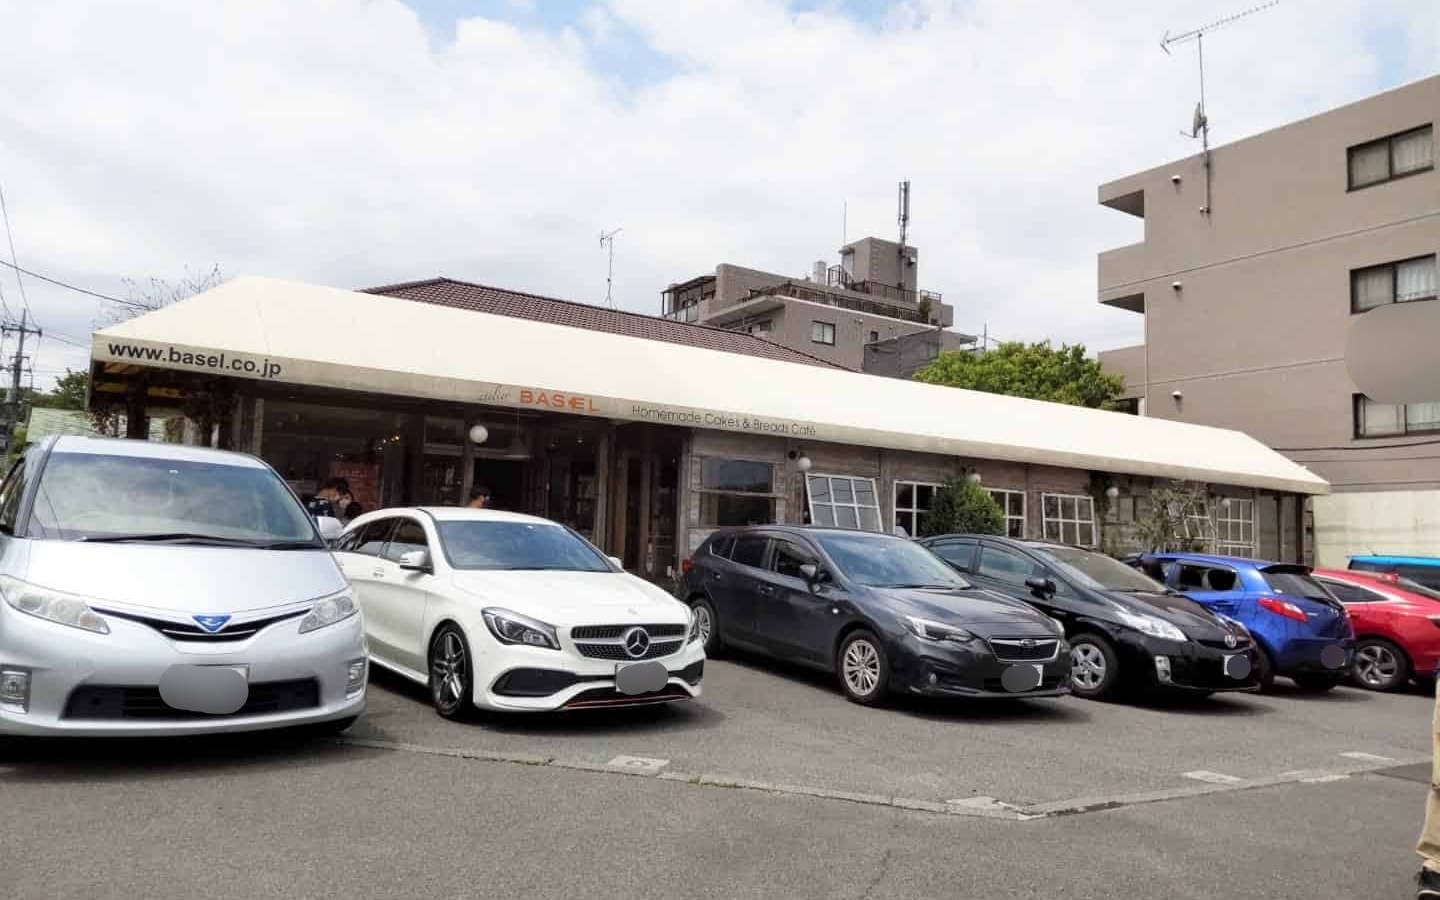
{"x":284,"y":332}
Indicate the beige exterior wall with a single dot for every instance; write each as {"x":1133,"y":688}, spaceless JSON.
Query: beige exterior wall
{"x":1248,"y":307}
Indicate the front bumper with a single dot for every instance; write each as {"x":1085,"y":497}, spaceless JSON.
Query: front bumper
{"x":106,"y":685}
{"x":1192,"y":666}
{"x":514,"y":678}
{"x":948,"y":669}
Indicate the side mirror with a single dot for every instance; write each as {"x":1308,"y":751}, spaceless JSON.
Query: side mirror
{"x":616,"y":562}
{"x":416,"y":561}
{"x":814,"y":574}
{"x":330,"y":528}
{"x":1042,"y":586}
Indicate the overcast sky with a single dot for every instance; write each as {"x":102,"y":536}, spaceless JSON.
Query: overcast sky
{"x":358,"y":142}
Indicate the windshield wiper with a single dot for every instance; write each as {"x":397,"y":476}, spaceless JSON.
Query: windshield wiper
{"x":174,"y":537}
{"x":923,"y":587}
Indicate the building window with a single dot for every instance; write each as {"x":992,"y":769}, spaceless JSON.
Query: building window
{"x":874,"y":336}
{"x":844,"y":501}
{"x":823,"y":333}
{"x":1012,"y":506}
{"x":759,"y":329}
{"x":912,"y":501}
{"x":1069,"y":518}
{"x":1392,"y":157}
{"x":1374,"y":419}
{"x":736,"y":492}
{"x":1397,"y":282}
{"x":1198,"y":526}
{"x":1235,"y":527}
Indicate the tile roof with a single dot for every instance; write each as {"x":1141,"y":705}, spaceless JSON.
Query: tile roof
{"x":520,"y":305}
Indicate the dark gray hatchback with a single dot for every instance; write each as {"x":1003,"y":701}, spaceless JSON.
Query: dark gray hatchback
{"x":880,"y":612}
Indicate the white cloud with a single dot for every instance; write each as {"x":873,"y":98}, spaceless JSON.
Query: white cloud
{"x":337,"y":141}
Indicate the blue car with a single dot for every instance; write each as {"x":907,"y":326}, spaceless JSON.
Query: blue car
{"x":1422,"y":569}
{"x":1300,"y":629}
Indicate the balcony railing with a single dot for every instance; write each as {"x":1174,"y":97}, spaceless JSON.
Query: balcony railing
{"x":800,"y":291}
{"x":836,"y":276}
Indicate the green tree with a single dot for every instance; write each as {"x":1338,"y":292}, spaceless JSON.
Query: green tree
{"x":69,"y":392}
{"x":1037,"y":371}
{"x":962,"y":507}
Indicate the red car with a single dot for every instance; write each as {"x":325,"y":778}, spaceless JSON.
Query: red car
{"x":1397,"y":626}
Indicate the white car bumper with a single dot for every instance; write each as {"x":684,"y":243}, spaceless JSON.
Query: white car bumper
{"x":505,"y":673}
{"x":107,"y":685}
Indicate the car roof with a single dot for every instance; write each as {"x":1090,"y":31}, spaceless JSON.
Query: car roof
{"x":1398,"y":560}
{"x":801,"y":530}
{"x":138,"y":449}
{"x":453,"y":514}
{"x":1217,"y":560}
{"x":1006,"y":539}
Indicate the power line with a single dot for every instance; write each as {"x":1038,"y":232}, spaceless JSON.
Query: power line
{"x":106,"y":297}
{"x":1361,"y":447}
{"x":5,"y":214}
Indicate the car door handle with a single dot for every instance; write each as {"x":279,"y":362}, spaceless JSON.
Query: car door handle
{"x":767,"y":590}
{"x":378,"y":573}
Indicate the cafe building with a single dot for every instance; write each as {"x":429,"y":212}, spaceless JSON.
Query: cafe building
{"x":645,"y":434}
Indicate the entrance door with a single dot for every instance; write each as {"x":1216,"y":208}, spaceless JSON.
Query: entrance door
{"x":506,"y":480}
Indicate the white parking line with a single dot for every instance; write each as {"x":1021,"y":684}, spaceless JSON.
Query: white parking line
{"x":1367,"y":757}
{"x":638,"y":764}
{"x":1211,"y":777}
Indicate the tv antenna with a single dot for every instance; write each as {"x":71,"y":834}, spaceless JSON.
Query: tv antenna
{"x":1200,"y":121}
{"x":607,"y":239}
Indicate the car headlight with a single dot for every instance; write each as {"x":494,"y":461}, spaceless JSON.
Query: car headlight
{"x":1152,"y":626}
{"x":513,"y":628}
{"x":53,"y":606}
{"x":329,"y":610}
{"x":936,"y":631}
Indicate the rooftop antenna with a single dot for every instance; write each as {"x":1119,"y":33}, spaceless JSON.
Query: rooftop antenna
{"x":607,"y":239}
{"x":1200,"y":122}
{"x":904,"y":219}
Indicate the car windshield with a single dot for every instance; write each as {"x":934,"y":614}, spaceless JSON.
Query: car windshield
{"x":1100,"y":572}
{"x":518,"y":545}
{"x":103,"y":497}
{"x":877,"y":561}
{"x":1296,"y":584}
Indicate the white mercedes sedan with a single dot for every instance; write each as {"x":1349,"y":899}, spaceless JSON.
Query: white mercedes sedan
{"x":511,"y":612}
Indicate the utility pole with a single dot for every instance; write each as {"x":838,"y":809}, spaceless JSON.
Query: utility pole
{"x":16,"y":367}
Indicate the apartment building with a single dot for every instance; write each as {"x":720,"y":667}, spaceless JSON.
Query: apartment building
{"x":1254,"y":267}
{"x":832,"y":313}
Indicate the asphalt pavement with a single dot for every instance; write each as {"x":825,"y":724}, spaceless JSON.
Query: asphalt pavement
{"x":407,"y":805}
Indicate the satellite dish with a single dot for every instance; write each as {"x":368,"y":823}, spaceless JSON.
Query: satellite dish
{"x":1198,"y":123}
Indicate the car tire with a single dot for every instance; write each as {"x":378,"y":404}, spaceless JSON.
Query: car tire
{"x":1384,"y":665}
{"x":1094,"y":667}
{"x":452,"y":674}
{"x":704,"y":611}
{"x":863,"y":669}
{"x":1316,"y":684}
{"x":1264,"y":670}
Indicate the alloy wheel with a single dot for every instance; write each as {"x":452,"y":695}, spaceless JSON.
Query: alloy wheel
{"x":861,"y":667}
{"x":1376,"y":665}
{"x":1087,"y":666}
{"x":703,"y":624}
{"x":448,"y":670}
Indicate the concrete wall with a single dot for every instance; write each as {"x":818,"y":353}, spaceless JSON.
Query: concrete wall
{"x":793,"y":327}
{"x":1254,"y":338}
{"x":1399,"y":522}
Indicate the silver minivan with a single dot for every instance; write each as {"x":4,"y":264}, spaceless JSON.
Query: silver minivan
{"x":156,"y":589}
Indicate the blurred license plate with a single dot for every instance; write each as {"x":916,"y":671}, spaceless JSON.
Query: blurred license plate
{"x":640,"y":678}
{"x":217,"y":690}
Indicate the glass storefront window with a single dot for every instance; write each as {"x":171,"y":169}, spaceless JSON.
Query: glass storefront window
{"x":309,"y":443}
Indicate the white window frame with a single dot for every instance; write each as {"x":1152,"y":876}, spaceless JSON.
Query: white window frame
{"x":1060,"y":521}
{"x":853,"y":504}
{"x":1199,"y":524}
{"x":1003,"y":500}
{"x":913,"y":511}
{"x":818,"y":327}
{"x":1232,"y":514}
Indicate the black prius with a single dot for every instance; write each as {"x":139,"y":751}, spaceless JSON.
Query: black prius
{"x":1125,"y":629}
{"x":881,"y":612}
